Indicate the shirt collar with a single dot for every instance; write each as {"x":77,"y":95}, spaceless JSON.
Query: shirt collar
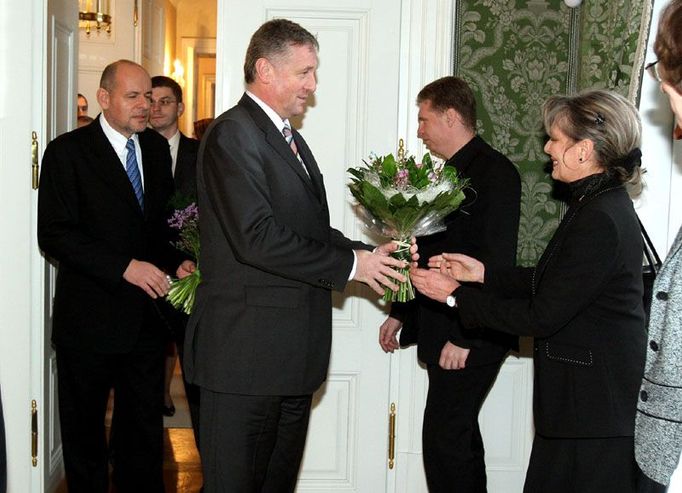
{"x":174,"y":141}
{"x":272,"y":114}
{"x":117,"y":140}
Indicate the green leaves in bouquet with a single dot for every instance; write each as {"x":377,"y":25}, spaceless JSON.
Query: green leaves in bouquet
{"x":370,"y":197}
{"x":419,"y":175}
{"x":389,"y":167}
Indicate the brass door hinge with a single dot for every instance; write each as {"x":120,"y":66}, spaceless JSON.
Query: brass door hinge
{"x":391,"y":436}
{"x":35,"y":168}
{"x":34,"y":432}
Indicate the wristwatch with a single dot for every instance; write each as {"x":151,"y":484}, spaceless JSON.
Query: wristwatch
{"x":451,"y":300}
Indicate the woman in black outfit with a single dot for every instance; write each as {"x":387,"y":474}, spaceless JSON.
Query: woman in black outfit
{"x":582,"y":303}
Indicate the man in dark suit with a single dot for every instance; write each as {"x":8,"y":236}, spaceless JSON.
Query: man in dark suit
{"x":102,"y":207}
{"x":258,"y":341}
{"x":167,"y":107}
{"x":462,"y":365}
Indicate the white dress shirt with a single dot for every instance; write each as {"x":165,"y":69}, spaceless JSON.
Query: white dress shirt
{"x":118,"y":141}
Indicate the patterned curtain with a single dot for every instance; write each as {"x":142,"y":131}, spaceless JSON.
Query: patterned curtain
{"x":517,"y":53}
{"x":613,"y":37}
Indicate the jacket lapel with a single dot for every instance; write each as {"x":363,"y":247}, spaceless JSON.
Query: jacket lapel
{"x":279,"y":144}
{"x":109,"y":167}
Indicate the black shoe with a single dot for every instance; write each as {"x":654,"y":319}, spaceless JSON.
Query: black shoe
{"x":169,"y":410}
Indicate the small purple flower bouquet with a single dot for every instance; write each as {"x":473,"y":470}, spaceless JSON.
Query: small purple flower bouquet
{"x":182,"y":292}
{"x":399,"y":198}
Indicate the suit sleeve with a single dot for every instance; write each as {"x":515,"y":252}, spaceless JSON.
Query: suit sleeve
{"x":576,"y":274}
{"x":61,"y":232}
{"x":499,"y":193}
{"x":236,"y":184}
{"x":510,"y":282}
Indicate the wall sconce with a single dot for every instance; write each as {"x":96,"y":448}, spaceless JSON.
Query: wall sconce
{"x":94,"y":12}
{"x":573,"y":3}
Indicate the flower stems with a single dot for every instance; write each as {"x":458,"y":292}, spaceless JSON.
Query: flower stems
{"x":182,"y":292}
{"x":405,"y":290}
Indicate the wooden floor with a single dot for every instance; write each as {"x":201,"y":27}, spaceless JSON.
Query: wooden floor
{"x":181,"y":465}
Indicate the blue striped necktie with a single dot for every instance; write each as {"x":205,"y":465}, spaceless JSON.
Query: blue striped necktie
{"x":134,"y":172}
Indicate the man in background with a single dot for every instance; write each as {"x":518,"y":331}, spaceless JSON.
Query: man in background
{"x":166,"y":108}
{"x":82,"y":105}
{"x":462,"y":365}
{"x":102,"y":209}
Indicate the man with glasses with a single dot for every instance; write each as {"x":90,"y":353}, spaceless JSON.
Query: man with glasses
{"x":166,"y":108}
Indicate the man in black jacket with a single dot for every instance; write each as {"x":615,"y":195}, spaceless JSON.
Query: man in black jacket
{"x":102,"y":209}
{"x":166,"y":108}
{"x":462,"y":365}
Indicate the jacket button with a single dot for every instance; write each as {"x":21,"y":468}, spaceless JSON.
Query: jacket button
{"x":662,"y":295}
{"x":643,"y":396}
{"x":653,"y":345}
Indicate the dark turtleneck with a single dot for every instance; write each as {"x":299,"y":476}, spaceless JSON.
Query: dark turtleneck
{"x":589,"y":186}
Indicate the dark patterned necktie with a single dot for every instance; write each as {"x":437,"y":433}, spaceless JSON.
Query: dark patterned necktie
{"x":134,"y":172}
{"x":286,"y":131}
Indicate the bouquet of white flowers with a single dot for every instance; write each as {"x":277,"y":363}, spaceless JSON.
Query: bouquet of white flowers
{"x":400,"y":198}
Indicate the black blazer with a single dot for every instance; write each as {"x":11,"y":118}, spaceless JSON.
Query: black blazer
{"x":269,"y":260}
{"x":186,"y":166}
{"x":583,"y":305}
{"x":90,"y":222}
{"x":485,"y":227}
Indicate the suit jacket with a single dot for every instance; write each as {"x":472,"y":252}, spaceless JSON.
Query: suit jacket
{"x":90,"y":222}
{"x":658,"y":433}
{"x":583,"y":305}
{"x":269,"y":260}
{"x":484,"y":227}
{"x":186,"y":166}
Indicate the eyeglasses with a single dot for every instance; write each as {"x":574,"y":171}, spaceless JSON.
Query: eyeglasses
{"x":162,"y":102}
{"x":652,"y":70}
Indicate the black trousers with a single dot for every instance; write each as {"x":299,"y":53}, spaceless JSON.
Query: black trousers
{"x":252,"y":444}
{"x":644,"y":484}
{"x":192,"y":392}
{"x":451,"y":438}
{"x":84,"y":382}
{"x":582,"y":465}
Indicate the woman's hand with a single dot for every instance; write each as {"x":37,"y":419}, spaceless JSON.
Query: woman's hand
{"x":433,"y":283}
{"x":458,"y":266}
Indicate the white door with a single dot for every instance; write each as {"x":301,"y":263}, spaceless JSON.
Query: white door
{"x":37,"y":99}
{"x":60,"y":117}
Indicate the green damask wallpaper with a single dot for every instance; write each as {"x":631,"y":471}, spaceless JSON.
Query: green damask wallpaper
{"x":515,"y":54}
{"x":613,"y":34}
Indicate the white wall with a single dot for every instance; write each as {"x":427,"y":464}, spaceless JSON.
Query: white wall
{"x":660,"y":206}
{"x":99,"y":50}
